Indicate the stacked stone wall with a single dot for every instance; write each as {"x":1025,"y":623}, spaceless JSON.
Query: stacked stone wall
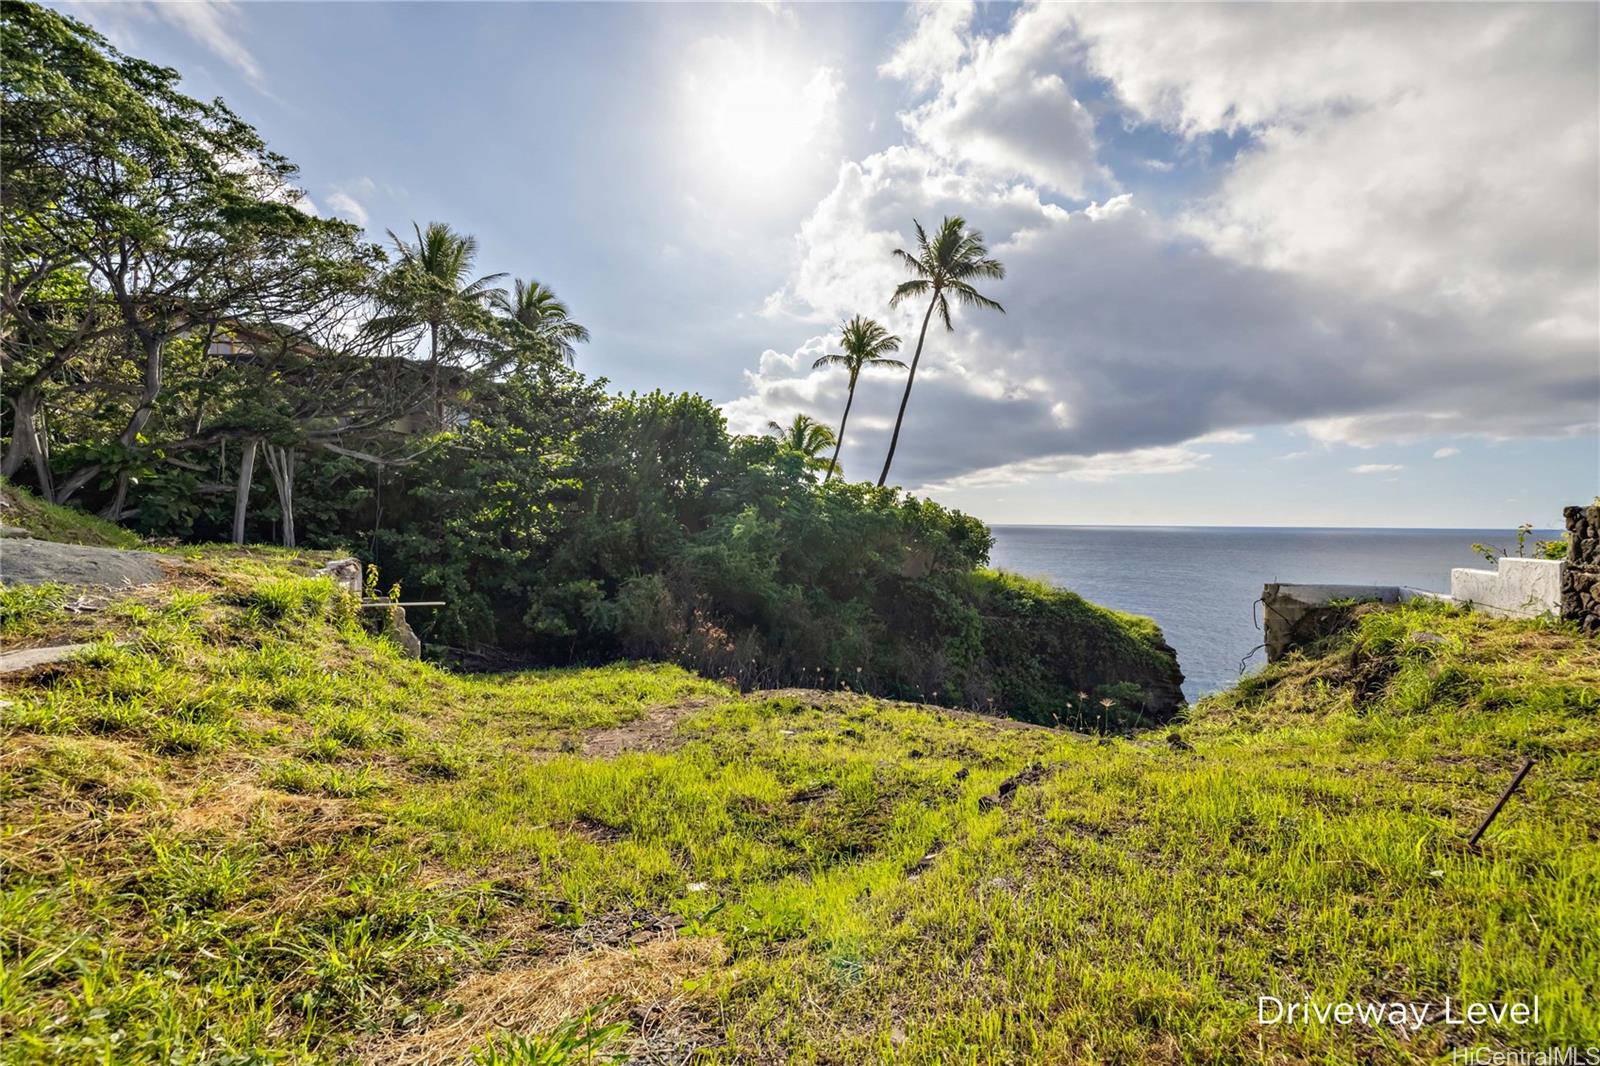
{"x":1580,"y":581}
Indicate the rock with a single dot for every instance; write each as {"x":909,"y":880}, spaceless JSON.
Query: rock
{"x":37,"y":562}
{"x":14,"y":533}
{"x":346,"y":573}
{"x":398,"y":630}
{"x":13,"y":662}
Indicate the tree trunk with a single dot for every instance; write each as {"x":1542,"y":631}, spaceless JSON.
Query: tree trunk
{"x":433,"y":358}
{"x":22,"y":433}
{"x":148,"y":394}
{"x":280,"y":464}
{"x":849,"y":399}
{"x":27,"y":442}
{"x":142,"y":413}
{"x":894,"y":440}
{"x":113,"y":510}
{"x":78,"y":480}
{"x":29,"y":435}
{"x":241,"y":497}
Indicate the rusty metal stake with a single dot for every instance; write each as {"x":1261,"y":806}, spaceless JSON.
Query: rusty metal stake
{"x":1501,"y":802}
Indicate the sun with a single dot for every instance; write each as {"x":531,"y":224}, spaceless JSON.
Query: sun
{"x":755,"y":118}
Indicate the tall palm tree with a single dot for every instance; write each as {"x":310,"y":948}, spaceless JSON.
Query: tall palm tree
{"x":944,"y":268}
{"x":429,"y":287}
{"x":534,"y":310}
{"x":805,"y":435}
{"x":865,"y":344}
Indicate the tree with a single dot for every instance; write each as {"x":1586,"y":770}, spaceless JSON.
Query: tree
{"x":944,"y":267}
{"x":133,"y":216}
{"x":807,"y":436}
{"x":865,"y":343}
{"x":428,"y":288}
{"x":541,"y":322}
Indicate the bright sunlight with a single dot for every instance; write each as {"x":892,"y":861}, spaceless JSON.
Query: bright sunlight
{"x":757,"y":118}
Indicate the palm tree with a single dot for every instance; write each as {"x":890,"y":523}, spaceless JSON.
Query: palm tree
{"x":429,"y":287}
{"x":542,"y":319}
{"x":943,"y":268}
{"x":865,"y":344}
{"x":807,"y":436}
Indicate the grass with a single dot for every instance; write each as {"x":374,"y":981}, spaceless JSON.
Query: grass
{"x":256,"y":833}
{"x":48,"y":521}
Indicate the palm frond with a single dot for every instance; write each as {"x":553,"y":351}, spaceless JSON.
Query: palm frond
{"x":906,"y":289}
{"x":911,"y":262}
{"x":970,"y":297}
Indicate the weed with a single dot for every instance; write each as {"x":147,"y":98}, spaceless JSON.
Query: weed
{"x":574,"y":1040}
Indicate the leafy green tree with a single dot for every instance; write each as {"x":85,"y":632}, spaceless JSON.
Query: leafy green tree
{"x":866,"y":344}
{"x":806,"y":436}
{"x":944,"y":267}
{"x":175,"y":211}
{"x":429,"y":288}
{"x":541,"y":322}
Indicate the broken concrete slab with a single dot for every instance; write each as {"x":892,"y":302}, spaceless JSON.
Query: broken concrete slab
{"x":1297,"y":615}
{"x":13,"y":662}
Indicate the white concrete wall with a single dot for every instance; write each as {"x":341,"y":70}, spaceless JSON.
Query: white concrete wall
{"x":1517,"y":588}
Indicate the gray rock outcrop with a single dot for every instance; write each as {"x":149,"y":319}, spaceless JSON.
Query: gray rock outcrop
{"x":37,"y":562}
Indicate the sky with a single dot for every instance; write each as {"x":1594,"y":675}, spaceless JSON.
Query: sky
{"x":1266,"y":264}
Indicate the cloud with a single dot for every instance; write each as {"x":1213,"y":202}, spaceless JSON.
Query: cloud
{"x":1001,"y":110}
{"x":1468,"y":309}
{"x":1445,"y":453}
{"x":1376,"y":468}
{"x":1104,"y":467}
{"x":1125,"y":333}
{"x":1448,"y":154}
{"x":212,"y":23}
{"x":935,"y":47}
{"x":342,"y":200}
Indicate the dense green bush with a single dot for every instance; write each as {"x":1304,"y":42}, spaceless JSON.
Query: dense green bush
{"x":569,"y":526}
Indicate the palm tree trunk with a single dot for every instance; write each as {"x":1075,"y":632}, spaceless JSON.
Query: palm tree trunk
{"x":433,"y":360}
{"x":894,"y":440}
{"x":839,"y":443}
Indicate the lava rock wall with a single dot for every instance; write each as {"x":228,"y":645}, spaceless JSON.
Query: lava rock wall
{"x":1580,"y":581}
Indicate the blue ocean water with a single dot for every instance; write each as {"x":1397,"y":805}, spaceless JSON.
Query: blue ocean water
{"x":1200,"y":583}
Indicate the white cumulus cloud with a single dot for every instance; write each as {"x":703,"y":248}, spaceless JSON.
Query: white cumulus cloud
{"x":1402,"y":249}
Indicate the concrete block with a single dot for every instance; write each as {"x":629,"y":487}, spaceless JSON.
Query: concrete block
{"x":1516,"y":588}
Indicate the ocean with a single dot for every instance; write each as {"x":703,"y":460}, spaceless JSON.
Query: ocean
{"x":1200,"y":583}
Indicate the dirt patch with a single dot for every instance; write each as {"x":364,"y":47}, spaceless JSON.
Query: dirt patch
{"x":821,"y":700}
{"x":655,"y":730}
{"x":1008,"y":788}
{"x":645,"y":985}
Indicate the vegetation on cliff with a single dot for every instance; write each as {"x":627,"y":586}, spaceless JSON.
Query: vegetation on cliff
{"x":255,"y":833}
{"x":193,"y":356}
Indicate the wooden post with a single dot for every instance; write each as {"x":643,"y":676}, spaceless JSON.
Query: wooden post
{"x":1501,"y":802}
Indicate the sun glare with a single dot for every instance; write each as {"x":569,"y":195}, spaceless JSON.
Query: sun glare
{"x":756,"y":119}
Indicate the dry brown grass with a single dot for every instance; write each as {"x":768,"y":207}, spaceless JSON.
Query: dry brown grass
{"x":648,"y":982}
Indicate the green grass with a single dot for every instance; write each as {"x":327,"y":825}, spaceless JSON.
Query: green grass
{"x":256,"y":833}
{"x":48,"y":521}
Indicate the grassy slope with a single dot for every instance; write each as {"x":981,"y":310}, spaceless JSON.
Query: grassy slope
{"x":256,"y":829}
{"x":21,"y":508}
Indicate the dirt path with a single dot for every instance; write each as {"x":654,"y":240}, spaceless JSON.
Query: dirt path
{"x":655,"y":730}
